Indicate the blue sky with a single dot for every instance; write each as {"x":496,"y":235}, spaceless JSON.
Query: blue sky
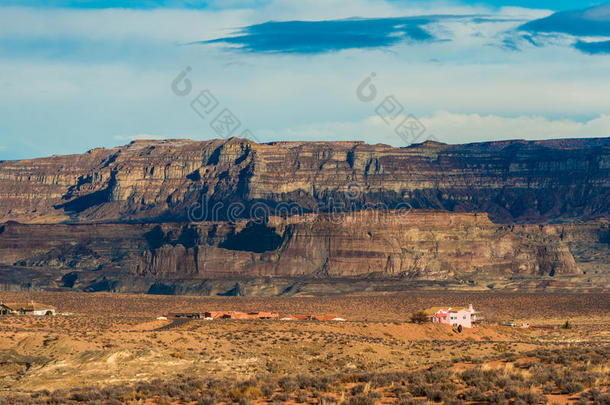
{"x":202,"y":4}
{"x":75,"y":75}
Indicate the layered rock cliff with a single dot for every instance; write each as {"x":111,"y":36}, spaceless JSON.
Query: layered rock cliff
{"x":513,"y":181}
{"x":162,"y":216}
{"x":427,"y":245}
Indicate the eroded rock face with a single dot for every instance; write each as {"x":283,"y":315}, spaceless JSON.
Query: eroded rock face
{"x":513,"y":181}
{"x":423,"y":245}
{"x":183,"y":212}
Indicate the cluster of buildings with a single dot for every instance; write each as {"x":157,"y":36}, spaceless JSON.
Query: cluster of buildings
{"x":224,"y":315}
{"x":465,"y":317}
{"x":312,"y":318}
{"x":210,"y":315}
{"x":26,"y":308}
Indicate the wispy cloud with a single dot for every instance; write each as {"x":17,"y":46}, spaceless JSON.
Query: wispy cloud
{"x":158,"y":25}
{"x":461,"y":128}
{"x":594,"y":21}
{"x":588,"y":30}
{"x":105,"y":4}
{"x":138,"y":137}
{"x":97,"y":76}
{"x":450,"y":128}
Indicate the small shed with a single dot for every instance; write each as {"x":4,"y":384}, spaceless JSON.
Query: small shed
{"x":5,"y":309}
{"x":241,"y":315}
{"x":29,"y":308}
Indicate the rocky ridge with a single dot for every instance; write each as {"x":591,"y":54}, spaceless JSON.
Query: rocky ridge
{"x":513,"y":181}
{"x":205,"y":217}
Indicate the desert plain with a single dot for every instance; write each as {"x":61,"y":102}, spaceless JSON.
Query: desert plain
{"x":112,"y":348}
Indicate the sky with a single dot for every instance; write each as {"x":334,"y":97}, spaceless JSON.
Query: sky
{"x":75,"y":75}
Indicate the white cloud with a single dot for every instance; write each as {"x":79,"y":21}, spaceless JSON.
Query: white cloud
{"x":116,"y":79}
{"x":138,"y":137}
{"x":462,"y":128}
{"x":186,"y":25}
{"x":334,"y":9}
{"x":170,"y":25}
{"x":2,"y":148}
{"x":526,"y":13}
{"x":449,"y":128}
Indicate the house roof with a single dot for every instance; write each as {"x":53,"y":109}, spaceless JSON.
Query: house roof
{"x":434,"y":310}
{"x":324,"y":317}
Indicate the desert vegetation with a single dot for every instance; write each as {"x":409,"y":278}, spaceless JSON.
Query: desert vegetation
{"x":539,"y":376}
{"x":553,"y":308}
{"x":112,"y":349}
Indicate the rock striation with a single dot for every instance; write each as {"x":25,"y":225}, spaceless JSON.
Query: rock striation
{"x":427,"y":245}
{"x":169,"y":216}
{"x":512,"y":181}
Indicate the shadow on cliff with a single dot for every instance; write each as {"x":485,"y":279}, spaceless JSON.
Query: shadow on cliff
{"x":84,"y":202}
{"x":156,"y":238}
{"x":257,"y":238}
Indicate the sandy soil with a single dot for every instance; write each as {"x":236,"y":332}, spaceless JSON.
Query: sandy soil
{"x":112,"y":339}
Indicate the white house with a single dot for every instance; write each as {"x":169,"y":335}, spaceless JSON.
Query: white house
{"x":30,"y":308}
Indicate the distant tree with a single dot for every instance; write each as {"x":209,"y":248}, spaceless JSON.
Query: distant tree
{"x":419,"y":317}
{"x":567,"y":325}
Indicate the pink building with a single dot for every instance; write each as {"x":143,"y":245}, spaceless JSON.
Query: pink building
{"x":464,"y":316}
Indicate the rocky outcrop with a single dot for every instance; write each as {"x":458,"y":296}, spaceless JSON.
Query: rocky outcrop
{"x":416,"y":245}
{"x":513,"y":181}
{"x":235,"y":217}
{"x":419,"y":245}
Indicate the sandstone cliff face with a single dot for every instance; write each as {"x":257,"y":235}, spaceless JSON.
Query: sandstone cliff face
{"x":190,"y":212}
{"x":513,"y":181}
{"x":417,"y":245}
{"x":423,"y":245}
